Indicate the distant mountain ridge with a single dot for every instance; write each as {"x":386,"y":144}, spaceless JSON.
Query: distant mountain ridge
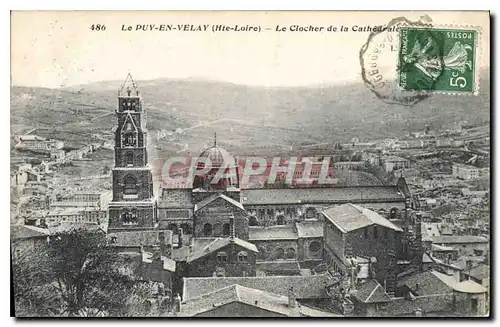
{"x":243,"y":116}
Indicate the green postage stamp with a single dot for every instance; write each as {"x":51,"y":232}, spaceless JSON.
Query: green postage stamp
{"x":438,"y":60}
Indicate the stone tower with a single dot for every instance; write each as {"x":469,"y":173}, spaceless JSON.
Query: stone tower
{"x":133,"y":204}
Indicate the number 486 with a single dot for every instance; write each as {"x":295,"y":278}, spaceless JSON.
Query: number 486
{"x":97,"y":27}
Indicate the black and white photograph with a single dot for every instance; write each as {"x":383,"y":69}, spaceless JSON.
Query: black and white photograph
{"x":258,"y":164}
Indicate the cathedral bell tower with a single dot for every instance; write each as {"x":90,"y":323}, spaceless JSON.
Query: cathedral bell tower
{"x":133,"y":204}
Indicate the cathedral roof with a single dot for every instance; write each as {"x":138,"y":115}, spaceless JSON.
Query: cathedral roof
{"x":349,"y":217}
{"x":220,"y":243}
{"x":206,"y":201}
{"x":320,"y":195}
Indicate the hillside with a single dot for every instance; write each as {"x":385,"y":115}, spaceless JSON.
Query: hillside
{"x":245,"y":118}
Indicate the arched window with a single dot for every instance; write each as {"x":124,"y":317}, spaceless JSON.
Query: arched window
{"x":129,"y":139}
{"x":129,"y":158}
{"x":280,"y":220}
{"x":311,"y":213}
{"x":222,"y":257}
{"x":217,"y":230}
{"x":129,"y":218}
{"x":207,"y":229}
{"x":253,"y":221}
{"x":279,"y":254}
{"x":226,"y":229}
{"x":242,"y":256}
{"x":130,"y":185}
{"x":314,"y":246}
{"x":290,"y":253}
{"x":394,"y":213}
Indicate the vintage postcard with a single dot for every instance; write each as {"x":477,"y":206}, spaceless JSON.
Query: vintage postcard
{"x":250,"y":164}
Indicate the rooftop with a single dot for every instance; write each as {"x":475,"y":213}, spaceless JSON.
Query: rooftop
{"x":261,"y":299}
{"x":466,"y":286}
{"x":137,"y":238}
{"x":458,"y":239}
{"x":349,"y":217}
{"x":310,"y":228}
{"x":371,"y":292}
{"x":214,"y":197}
{"x":271,"y":233}
{"x":305,"y":287}
{"x":18,"y":232}
{"x":218,"y":244}
{"x":337,"y":194}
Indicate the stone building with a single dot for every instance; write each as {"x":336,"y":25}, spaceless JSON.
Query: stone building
{"x":351,"y":231}
{"x":133,"y":204}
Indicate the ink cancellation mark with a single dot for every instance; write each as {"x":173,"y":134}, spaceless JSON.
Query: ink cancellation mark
{"x":442,"y":60}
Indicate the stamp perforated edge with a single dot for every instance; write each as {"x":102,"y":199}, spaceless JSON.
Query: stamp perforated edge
{"x":477,"y":59}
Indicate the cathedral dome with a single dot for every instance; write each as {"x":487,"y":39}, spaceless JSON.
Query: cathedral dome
{"x":218,"y":156}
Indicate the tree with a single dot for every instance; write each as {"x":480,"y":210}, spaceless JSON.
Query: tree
{"x":31,"y":277}
{"x":87,"y":274}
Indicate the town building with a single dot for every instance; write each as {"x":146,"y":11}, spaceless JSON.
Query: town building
{"x":352,"y":231}
{"x":465,"y":172}
{"x":38,"y":144}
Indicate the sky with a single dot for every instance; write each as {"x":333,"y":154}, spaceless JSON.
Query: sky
{"x":58,"y":49}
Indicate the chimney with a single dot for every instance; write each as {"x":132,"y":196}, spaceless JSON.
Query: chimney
{"x":177,"y":303}
{"x":231,"y":228}
{"x":181,"y":234}
{"x":292,"y":301}
{"x":372,"y":268}
{"x":161,"y":240}
{"x":418,"y":242}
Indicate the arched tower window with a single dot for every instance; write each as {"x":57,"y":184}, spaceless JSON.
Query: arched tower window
{"x":129,"y":218}
{"x":130,"y":185}
{"x":207,"y":229}
{"x":226,"y":229}
{"x":129,"y":159}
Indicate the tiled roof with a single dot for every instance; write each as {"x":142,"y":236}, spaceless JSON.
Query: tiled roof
{"x":279,"y":265}
{"x":271,"y":233}
{"x":214,"y":197}
{"x":320,"y":195}
{"x":218,"y":244}
{"x":306,"y":229}
{"x":425,"y":283}
{"x":371,"y":292}
{"x":261,"y":299}
{"x":25,"y":232}
{"x":458,"y":239}
{"x":349,"y":217}
{"x":305,"y":287}
{"x":137,"y":238}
